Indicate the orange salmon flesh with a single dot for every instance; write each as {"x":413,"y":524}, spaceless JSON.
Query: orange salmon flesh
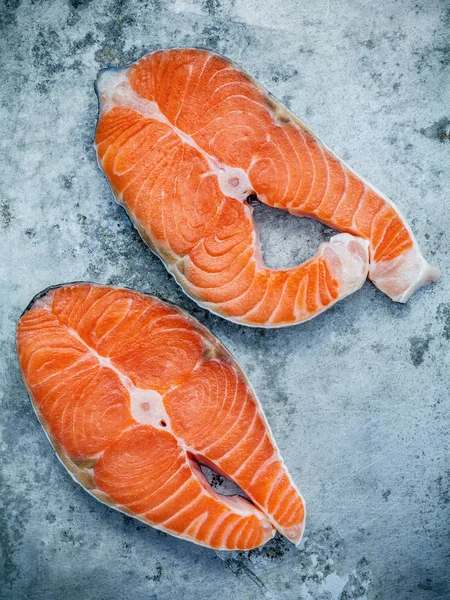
{"x":185,"y":136}
{"x":134,"y":395}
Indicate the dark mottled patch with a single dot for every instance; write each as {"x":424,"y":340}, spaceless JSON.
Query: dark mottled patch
{"x":370,"y":44}
{"x":275,"y":548}
{"x":283,"y":73}
{"x":445,"y":17}
{"x":67,"y":180}
{"x":212,"y":7}
{"x":359,"y":581}
{"x":126,"y":549}
{"x":386,"y":495}
{"x":443,"y":485}
{"x":133,"y":53}
{"x":93,"y":270}
{"x":46,"y":52}
{"x":161,"y":533}
{"x":287,"y":100}
{"x":79,"y":3}
{"x":68,"y":537}
{"x":213,"y":36}
{"x":42,"y":87}
{"x":377,"y":347}
{"x":432,"y":56}
{"x":6,"y":215}
{"x":112,"y":53}
{"x":316,"y":559}
{"x":9,"y":568}
{"x":443,"y":315}
{"x":340,"y":348}
{"x":85,"y":42}
{"x":240,"y":567}
{"x":425,"y":585}
{"x":439,"y":130}
{"x":31,"y":232}
{"x":419,"y":347}
{"x":127,"y":521}
{"x":157,"y":576}
{"x":440,"y":588}
{"x":88,"y":146}
{"x":444,"y":55}
{"x":323,"y":544}
{"x":50,"y":517}
{"x":8,"y":13}
{"x":110,"y":56}
{"x":13,"y":523}
{"x":273,"y":375}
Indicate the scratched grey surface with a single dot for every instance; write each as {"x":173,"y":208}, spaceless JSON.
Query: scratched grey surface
{"x":357,"y":398}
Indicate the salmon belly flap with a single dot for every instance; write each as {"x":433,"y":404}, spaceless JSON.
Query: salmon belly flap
{"x":135,"y":395}
{"x":185,"y":136}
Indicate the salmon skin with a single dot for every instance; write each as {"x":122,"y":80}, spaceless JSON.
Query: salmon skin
{"x":185,"y":136}
{"x":134,"y":394}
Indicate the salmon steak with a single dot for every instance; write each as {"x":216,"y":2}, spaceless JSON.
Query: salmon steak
{"x":134,"y":395}
{"x":185,"y":136}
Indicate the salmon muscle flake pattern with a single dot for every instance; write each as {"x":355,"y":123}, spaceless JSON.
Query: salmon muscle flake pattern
{"x":184,"y":136}
{"x":134,"y":395}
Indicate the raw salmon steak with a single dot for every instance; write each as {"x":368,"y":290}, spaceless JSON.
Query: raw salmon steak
{"x":134,"y":395}
{"x":185,"y":136}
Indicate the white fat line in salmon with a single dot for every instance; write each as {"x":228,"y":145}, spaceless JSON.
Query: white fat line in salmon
{"x":115,"y":90}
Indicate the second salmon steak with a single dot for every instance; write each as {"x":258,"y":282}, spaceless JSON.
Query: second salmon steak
{"x":135,"y":395}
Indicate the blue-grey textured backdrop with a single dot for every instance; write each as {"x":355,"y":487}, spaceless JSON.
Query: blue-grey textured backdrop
{"x":357,"y":398}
